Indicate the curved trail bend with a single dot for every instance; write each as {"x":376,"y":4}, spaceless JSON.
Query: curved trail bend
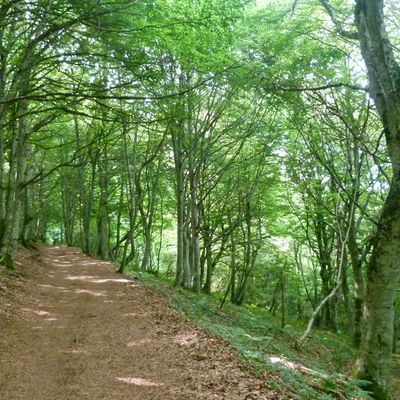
{"x":80,"y":331}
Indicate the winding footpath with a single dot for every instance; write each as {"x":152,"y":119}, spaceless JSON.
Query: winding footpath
{"x":80,"y":331}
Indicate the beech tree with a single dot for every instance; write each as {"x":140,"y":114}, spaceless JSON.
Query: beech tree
{"x":383,"y":268}
{"x":231,"y":149}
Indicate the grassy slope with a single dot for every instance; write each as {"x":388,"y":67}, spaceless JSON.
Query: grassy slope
{"x":256,"y":336}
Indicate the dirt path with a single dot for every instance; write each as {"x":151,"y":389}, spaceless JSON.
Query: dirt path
{"x":80,"y":331}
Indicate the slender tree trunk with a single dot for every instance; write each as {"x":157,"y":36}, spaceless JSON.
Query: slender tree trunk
{"x":68,"y":202}
{"x":180,"y":202}
{"x":18,"y":160}
{"x":274,"y":301}
{"x":249,"y":257}
{"x":28,"y":213}
{"x":346,"y":302}
{"x":282,"y":285}
{"x":187,"y":274}
{"x":41,"y":228}
{"x":5,"y":46}
{"x":3,"y":82}
{"x":147,"y":248}
{"x":2,"y":180}
{"x":194,"y":223}
{"x":103,"y":249}
{"x":359,"y":286}
{"x":194,"y":212}
{"x":209,"y":264}
{"x":161,"y":233}
{"x":396,"y":331}
{"x":80,"y":178}
{"x":87,"y":194}
{"x":148,"y":217}
{"x":103,"y":246}
{"x":130,"y":165}
{"x":116,"y":248}
{"x":233,"y":269}
{"x":14,"y":198}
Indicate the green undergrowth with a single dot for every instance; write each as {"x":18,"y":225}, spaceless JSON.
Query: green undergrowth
{"x":256,"y":336}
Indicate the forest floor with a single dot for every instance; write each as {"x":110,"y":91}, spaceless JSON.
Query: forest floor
{"x":71,"y":328}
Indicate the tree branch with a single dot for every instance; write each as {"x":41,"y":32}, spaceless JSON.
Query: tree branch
{"x":339,"y":27}
{"x":318,"y":88}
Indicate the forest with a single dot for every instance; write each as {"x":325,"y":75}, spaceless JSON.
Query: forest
{"x":247,"y":151}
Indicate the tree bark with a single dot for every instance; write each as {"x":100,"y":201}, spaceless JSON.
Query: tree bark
{"x":180,"y":201}
{"x":359,"y":286}
{"x":194,"y":216}
{"x":384,"y":266}
{"x":103,"y":249}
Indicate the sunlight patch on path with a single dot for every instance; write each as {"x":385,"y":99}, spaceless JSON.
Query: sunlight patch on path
{"x":139,"y":382}
{"x":91,"y":292}
{"x":110,"y":280}
{"x":141,"y":314}
{"x":73,"y":351}
{"x":81,"y":277}
{"x":62,"y":288}
{"x":37,"y":312}
{"x":95,"y":279}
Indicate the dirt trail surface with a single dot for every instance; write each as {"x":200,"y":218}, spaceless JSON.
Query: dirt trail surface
{"x":76,"y":330}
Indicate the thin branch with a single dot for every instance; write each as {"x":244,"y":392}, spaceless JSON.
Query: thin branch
{"x":339,"y":278}
{"x":338,"y":24}
{"x":323,"y":87}
{"x":93,"y":96}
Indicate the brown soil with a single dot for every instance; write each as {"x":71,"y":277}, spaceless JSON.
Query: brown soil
{"x":74,"y":329}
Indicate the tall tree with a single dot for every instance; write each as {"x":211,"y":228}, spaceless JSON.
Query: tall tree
{"x":384,"y":266}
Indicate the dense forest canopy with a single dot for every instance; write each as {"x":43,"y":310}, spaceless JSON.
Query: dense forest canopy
{"x":250,"y":150}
